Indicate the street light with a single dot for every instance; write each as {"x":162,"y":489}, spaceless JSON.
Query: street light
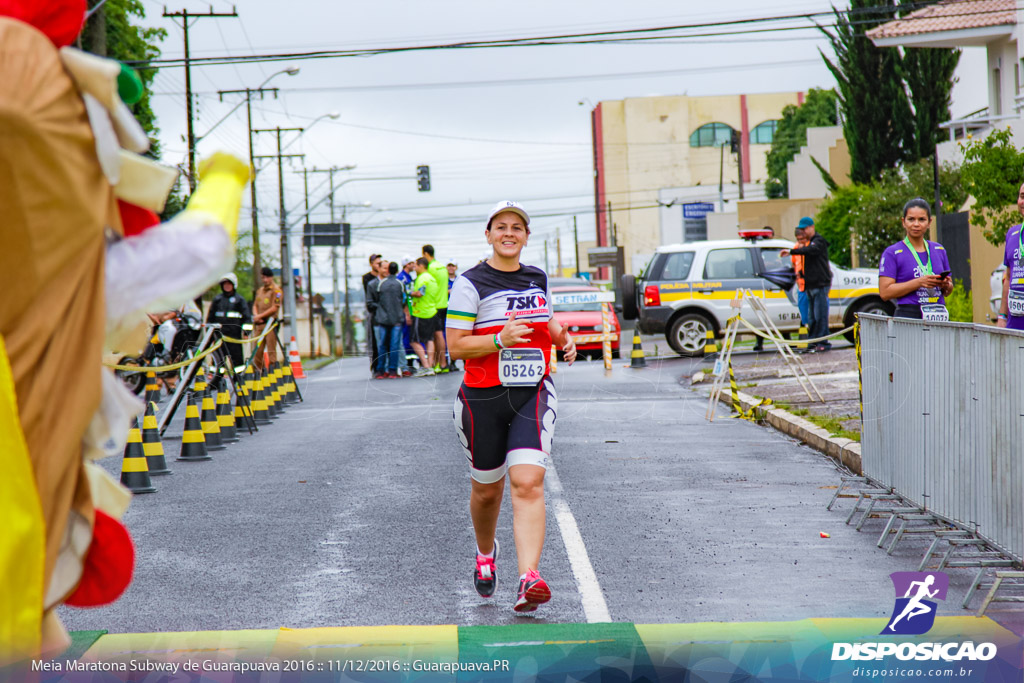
{"x":291,"y":71}
{"x":331,"y":115}
{"x":286,"y":251}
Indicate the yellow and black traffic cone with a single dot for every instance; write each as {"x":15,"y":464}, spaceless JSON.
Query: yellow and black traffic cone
{"x":636,"y":358}
{"x":243,"y":402}
{"x":803,"y":338}
{"x":709,"y":344}
{"x":270,"y":391}
{"x":225,"y":417}
{"x":289,"y":378}
{"x":151,"y":444}
{"x":193,"y":443}
{"x":287,"y":390}
{"x":152,"y":388}
{"x":134,"y":468}
{"x":279,"y":388}
{"x":259,"y":405}
{"x":208,"y":418}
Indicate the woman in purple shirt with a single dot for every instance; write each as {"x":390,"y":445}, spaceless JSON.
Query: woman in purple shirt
{"x":915,"y":271}
{"x":1011,"y":307}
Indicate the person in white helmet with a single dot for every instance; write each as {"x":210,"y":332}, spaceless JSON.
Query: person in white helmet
{"x":230,"y":310}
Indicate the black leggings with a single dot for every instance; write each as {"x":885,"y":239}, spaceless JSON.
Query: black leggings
{"x":502,"y":426}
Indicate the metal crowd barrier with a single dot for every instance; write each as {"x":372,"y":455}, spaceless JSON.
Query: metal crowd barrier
{"x":943,"y":410}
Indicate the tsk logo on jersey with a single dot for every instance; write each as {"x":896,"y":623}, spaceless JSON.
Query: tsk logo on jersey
{"x":533,"y":303}
{"x":914,"y":612}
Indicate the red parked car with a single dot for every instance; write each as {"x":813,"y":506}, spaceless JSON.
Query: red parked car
{"x":584,"y":319}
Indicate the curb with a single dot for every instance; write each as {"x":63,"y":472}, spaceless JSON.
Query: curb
{"x":844,"y":451}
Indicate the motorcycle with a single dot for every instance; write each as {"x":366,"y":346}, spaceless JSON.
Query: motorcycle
{"x":187,"y":332}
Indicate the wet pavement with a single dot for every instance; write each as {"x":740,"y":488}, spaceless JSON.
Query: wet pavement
{"x":352,"y":509}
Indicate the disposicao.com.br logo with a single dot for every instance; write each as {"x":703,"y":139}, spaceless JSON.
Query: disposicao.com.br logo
{"x":914,"y":614}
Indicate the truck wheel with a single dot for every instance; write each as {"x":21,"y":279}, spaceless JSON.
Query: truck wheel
{"x":630,"y":311}
{"x":688,"y":334}
{"x":874,"y":306}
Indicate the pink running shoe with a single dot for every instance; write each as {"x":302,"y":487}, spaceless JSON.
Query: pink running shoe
{"x":533,"y":591}
{"x":485,"y":577}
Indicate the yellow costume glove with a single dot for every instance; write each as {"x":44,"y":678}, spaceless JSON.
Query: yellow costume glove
{"x":222,"y":178}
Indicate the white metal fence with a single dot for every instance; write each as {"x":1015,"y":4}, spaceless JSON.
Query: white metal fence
{"x":944,"y":421}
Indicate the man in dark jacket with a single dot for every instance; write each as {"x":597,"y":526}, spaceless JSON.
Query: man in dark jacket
{"x":230,"y":310}
{"x":389,"y":318}
{"x":817,"y":282}
{"x":371,"y":277}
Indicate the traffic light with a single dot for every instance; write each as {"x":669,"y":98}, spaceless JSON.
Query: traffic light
{"x":423,"y":178}
{"x":734,"y":142}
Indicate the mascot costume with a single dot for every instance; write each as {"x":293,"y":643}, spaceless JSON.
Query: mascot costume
{"x":85,"y":257}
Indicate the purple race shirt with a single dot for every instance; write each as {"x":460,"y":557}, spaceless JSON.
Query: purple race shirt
{"x":1011,"y":259}
{"x":899,"y":264}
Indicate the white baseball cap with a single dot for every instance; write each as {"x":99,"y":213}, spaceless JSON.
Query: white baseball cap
{"x":453,"y":262}
{"x":514,"y":207}
{"x":406,"y":260}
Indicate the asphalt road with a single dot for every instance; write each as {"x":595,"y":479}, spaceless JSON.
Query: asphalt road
{"x":352,"y":509}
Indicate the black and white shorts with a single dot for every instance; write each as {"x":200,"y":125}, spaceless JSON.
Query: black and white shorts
{"x":422,"y":330}
{"x":499,"y":427}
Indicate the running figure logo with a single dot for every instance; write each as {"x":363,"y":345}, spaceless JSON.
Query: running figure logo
{"x":914,"y":612}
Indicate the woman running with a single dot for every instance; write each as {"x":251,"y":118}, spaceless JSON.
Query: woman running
{"x":499,"y":322}
{"x":915,"y":271}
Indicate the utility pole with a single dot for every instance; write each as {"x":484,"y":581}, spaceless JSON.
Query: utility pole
{"x":576,"y":243}
{"x":309,"y":265}
{"x":558,"y":248}
{"x":249,"y":92}
{"x":338,"y":333}
{"x":184,"y":15}
{"x":350,"y":329}
{"x":547,"y":266}
{"x":287,"y":278}
{"x":739,"y":165}
{"x":721,"y":178}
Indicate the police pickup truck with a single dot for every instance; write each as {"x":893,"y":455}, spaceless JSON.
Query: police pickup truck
{"x":685,"y":289}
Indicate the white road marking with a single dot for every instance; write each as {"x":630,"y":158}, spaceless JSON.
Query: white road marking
{"x":594,"y":607}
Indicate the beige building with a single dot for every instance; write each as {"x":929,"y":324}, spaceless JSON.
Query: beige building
{"x":658,"y":160}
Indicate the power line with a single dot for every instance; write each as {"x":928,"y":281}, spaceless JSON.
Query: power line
{"x":658,"y":33}
{"x":542,"y":79}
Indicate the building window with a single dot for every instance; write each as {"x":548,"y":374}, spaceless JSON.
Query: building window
{"x":764,"y":133}
{"x":711,"y":135}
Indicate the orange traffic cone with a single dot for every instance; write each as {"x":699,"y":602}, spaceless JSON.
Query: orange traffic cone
{"x":294,"y":360}
{"x":193,"y":444}
{"x":134,"y":468}
{"x":151,"y":444}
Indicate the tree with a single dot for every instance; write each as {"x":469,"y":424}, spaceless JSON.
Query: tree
{"x":876,"y":220}
{"x":834,"y":221}
{"x":818,"y":109}
{"x":992,"y":174}
{"x":878,"y":123}
{"x":928,"y":73}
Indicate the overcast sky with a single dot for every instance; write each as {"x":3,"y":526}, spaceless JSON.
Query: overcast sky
{"x":492,"y":124}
